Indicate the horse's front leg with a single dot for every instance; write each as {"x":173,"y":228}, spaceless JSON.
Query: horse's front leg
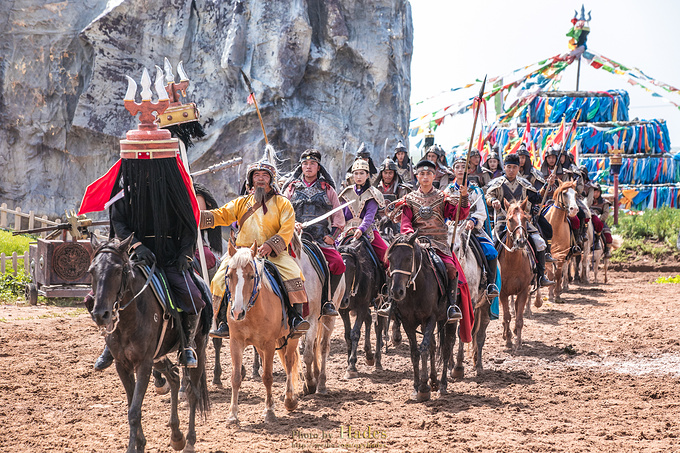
{"x":323,"y":347}
{"x":380,"y":328}
{"x":267,"y":356}
{"x":354,"y":337}
{"x":424,"y":349}
{"x":127,"y":377}
{"x":292,"y":361}
{"x":415,"y":360}
{"x":172,"y":377}
{"x":459,"y":368}
{"x":507,"y":335}
{"x":236,"y":349}
{"x":370,"y":359}
{"x":309,"y":354}
{"x":434,"y":382}
{"x":483,"y":318}
{"x":519,"y":319}
{"x":217,"y":371}
{"x":137,"y":440}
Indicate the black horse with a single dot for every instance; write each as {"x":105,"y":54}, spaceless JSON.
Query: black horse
{"x":418,"y":302}
{"x":134,"y":323}
{"x":364,"y":277}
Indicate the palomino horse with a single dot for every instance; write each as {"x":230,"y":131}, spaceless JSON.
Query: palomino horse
{"x":517,"y":273}
{"x":480,"y":303}
{"x":364,"y":278}
{"x":564,"y":206}
{"x":417,"y":303}
{"x":317,"y":342}
{"x":133,"y":321}
{"x":255,"y":317}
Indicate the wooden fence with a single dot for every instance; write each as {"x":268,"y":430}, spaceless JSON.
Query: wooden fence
{"x":21,"y":220}
{"x":13,"y":262}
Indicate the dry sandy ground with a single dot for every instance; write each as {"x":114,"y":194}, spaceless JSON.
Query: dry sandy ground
{"x":618,"y":392}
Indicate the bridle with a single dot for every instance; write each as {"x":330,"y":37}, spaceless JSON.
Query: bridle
{"x":256,"y":287}
{"x":413,"y":273}
{"x":115,"y":317}
{"x":520,"y":227}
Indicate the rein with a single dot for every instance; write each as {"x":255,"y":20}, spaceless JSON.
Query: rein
{"x":123,"y":287}
{"x":413,"y":273}
{"x":512,"y":234}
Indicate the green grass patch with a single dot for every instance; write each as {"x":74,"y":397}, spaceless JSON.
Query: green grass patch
{"x":669,"y":279}
{"x":12,"y":287}
{"x":10,"y":244}
{"x":651,"y":234}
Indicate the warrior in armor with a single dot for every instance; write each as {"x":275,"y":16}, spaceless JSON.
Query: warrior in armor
{"x":426,"y":209}
{"x":443,"y":175}
{"x":361,"y":214}
{"x":477,"y":221}
{"x":527,"y":170}
{"x":362,"y":154}
{"x":404,"y":167}
{"x":389,"y":181}
{"x":512,"y":187}
{"x":311,"y":190}
{"x":476,"y":173}
{"x":493,"y":164}
{"x":266,"y":218}
{"x":600,"y":212}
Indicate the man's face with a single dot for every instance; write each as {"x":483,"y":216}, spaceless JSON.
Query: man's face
{"x":551,"y":160}
{"x":474,"y":160}
{"x":388,"y":176}
{"x":261,"y":179}
{"x":511,"y":171}
{"x":522,"y":160}
{"x":432,"y":157}
{"x":360,"y":177}
{"x":459,"y":170}
{"x":425,"y":177}
{"x":400,"y":156}
{"x":310,"y":168}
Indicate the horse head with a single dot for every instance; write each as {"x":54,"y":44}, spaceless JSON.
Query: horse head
{"x":243,"y":280}
{"x":565,"y":198}
{"x":109,"y":269}
{"x":404,"y":258}
{"x":516,"y":221}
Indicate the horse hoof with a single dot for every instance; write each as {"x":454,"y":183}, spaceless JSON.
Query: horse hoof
{"x":351,"y":374}
{"x":164,"y":389}
{"x":178,"y":445}
{"x":422,"y":396}
{"x":378,"y":366}
{"x":290,"y":404}
{"x":322,"y":390}
{"x":232,"y":420}
{"x":443,"y":391}
{"x":435,"y":386}
{"x":269,"y":416}
{"x":370,"y":361}
{"x":217,"y":383}
{"x":189,"y":449}
{"x":309,"y":389}
{"x":458,"y":373}
{"x":479,"y":372}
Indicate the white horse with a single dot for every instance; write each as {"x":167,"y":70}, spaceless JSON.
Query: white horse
{"x":317,"y":341}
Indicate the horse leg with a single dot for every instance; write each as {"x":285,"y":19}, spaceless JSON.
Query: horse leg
{"x":160,"y":383}
{"x":354,"y":336}
{"x":256,"y":365}
{"x":236,"y":349}
{"x":267,"y":356}
{"x":447,"y":336}
{"x":197,"y":391}
{"x":346,"y":321}
{"x":415,"y":360}
{"x":368,"y":320}
{"x":380,"y":328}
{"x":127,"y":378}
{"x":424,"y":349}
{"x":606,"y":266}
{"x":143,"y":375}
{"x":434,"y":382}
{"x":324,"y":349}
{"x":396,"y":332}
{"x":217,"y":372}
{"x":519,"y":319}
{"x":507,"y":335}
{"x":538,"y":301}
{"x":171,"y":374}
{"x":458,"y":371}
{"x":291,"y":361}
{"x":309,"y":357}
{"x":483,"y":318}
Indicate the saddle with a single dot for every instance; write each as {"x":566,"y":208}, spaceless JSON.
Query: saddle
{"x":438,"y":266}
{"x":276,"y":282}
{"x":160,"y":288}
{"x":532,"y":253}
{"x":319,"y":263}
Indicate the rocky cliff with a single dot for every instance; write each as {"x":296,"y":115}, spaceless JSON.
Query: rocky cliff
{"x":327,"y":74}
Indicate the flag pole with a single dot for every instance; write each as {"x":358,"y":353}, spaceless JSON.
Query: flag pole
{"x":252,"y":96}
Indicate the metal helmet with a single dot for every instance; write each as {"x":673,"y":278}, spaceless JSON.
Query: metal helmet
{"x":523,"y":151}
{"x":361,"y":164}
{"x":388,"y":164}
{"x":267,"y":163}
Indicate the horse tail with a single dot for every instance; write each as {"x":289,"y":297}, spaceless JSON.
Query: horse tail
{"x":206,"y":318}
{"x":203,"y":396}
{"x":295,"y":369}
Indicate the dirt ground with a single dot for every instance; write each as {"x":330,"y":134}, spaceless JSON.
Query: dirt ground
{"x":599,"y":372}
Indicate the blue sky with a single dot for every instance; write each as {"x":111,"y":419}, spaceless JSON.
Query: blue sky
{"x":456,"y":42}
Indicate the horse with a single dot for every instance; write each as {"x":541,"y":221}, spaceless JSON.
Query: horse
{"x":416,"y":301}
{"x":480,"y":304}
{"x":579,"y":263}
{"x":364,"y":278}
{"x":255,"y":317}
{"x":564,"y":206}
{"x":517,"y":274}
{"x":317,"y":342}
{"x":140,"y":337}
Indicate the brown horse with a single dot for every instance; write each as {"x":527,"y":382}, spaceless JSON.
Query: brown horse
{"x":516,"y":275}
{"x":563,"y":207}
{"x":255,"y":317}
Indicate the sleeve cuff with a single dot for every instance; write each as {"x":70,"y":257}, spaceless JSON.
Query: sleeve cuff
{"x":277,"y":244}
{"x":207,"y":220}
{"x":464,"y":202}
{"x":335,"y":233}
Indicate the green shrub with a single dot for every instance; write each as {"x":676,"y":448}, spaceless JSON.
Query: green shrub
{"x":675,"y":279}
{"x":658,"y":224}
{"x":11,"y":287}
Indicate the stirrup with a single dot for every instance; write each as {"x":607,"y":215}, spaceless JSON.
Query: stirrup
{"x":328,"y":309}
{"x":189,"y":356}
{"x":453,"y":314}
{"x":492,"y":291}
{"x":385,"y":310}
{"x":222,"y":331}
{"x":299,"y":329}
{"x":549,"y":258}
{"x":576,"y":250}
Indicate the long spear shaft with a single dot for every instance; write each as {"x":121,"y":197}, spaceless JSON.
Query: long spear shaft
{"x":467,"y":158}
{"x":252,"y":95}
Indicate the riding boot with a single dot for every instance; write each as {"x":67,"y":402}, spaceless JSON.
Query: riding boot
{"x":540,"y":269}
{"x":607,"y":250}
{"x":328,"y":308}
{"x":491,"y":289}
{"x":222,"y":330}
{"x":298,"y":325}
{"x":189,"y":325}
{"x":104,"y":361}
{"x":453,"y":313}
{"x":548,"y":256}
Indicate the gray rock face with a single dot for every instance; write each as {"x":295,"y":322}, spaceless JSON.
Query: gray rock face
{"x":327,"y":74}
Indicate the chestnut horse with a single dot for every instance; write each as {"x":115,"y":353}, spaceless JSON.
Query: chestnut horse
{"x":517,"y":273}
{"x":564,"y":206}
{"x":255,"y":317}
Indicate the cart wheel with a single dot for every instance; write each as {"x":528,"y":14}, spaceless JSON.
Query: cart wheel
{"x":32,"y":294}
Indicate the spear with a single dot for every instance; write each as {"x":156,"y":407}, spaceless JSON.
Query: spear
{"x":478,"y":101}
{"x":252,"y":96}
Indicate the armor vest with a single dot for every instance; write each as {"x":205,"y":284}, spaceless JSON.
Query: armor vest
{"x":599,"y":206}
{"x":428,"y":217}
{"x":310,"y":203}
{"x":349,"y":194}
{"x":513,"y":195}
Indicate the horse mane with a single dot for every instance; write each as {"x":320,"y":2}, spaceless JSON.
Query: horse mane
{"x":242,"y":258}
{"x":564,"y":187}
{"x":513,"y":207}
